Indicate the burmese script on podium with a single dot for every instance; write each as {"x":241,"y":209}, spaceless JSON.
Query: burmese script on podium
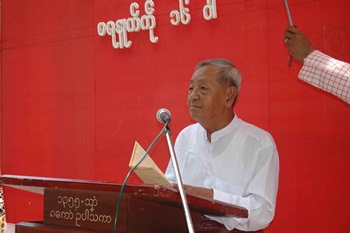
{"x":147,"y":170}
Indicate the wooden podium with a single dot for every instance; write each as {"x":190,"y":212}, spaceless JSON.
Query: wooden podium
{"x":90,"y":206}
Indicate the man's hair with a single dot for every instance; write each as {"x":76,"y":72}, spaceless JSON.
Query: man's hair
{"x":228,"y":73}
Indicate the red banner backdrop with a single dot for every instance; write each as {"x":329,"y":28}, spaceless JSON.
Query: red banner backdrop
{"x":73,"y":104}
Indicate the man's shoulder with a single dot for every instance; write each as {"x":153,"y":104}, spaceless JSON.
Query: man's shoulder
{"x":254,"y":131}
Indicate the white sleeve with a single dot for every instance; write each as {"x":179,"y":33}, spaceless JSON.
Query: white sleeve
{"x":262,"y":193}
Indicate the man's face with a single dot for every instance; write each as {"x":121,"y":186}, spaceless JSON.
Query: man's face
{"x":207,"y":98}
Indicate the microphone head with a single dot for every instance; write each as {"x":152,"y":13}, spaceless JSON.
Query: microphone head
{"x":163,"y":115}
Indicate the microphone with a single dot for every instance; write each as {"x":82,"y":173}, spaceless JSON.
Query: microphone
{"x":163,"y":115}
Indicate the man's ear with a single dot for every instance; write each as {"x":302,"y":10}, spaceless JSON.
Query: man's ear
{"x":231,"y":95}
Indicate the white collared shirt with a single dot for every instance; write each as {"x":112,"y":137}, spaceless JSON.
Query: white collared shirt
{"x":240,"y":164}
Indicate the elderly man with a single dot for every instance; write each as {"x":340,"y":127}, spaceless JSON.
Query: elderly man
{"x":222,"y":157}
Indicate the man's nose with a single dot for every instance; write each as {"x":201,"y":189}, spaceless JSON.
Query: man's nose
{"x":193,"y":94}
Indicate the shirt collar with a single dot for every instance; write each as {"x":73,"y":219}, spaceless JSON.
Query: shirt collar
{"x":224,"y":131}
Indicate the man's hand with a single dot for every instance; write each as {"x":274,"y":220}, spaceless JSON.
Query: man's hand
{"x":298,"y":44}
{"x":204,"y":192}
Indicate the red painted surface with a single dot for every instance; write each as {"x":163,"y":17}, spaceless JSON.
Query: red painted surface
{"x":72,"y":105}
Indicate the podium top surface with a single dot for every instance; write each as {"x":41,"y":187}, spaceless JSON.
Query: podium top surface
{"x":156,"y":193}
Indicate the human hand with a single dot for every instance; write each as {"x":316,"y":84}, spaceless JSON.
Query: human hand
{"x":298,"y":44}
{"x":204,"y":192}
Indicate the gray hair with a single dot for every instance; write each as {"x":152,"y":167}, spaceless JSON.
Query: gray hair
{"x":227,"y":72}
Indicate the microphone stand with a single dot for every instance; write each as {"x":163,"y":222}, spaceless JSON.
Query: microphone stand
{"x":167,"y":133}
